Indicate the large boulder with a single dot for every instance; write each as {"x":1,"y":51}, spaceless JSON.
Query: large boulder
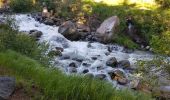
{"x":69,"y":30}
{"x":7,"y":86}
{"x":107,"y":29}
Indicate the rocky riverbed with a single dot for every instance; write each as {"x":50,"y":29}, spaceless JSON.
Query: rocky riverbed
{"x":106,"y":62}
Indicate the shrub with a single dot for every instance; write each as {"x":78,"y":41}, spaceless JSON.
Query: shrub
{"x":160,"y":44}
{"x":21,"y":5}
{"x":22,"y":43}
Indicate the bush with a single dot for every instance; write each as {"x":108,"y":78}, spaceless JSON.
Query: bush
{"x":160,"y":44}
{"x":21,"y":5}
{"x":22,"y":43}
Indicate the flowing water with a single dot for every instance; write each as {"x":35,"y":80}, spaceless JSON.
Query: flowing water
{"x":81,"y":52}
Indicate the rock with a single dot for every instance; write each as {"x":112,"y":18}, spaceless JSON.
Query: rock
{"x":37,"y":16}
{"x":35,"y":34}
{"x":94,"y":58}
{"x":126,"y":50}
{"x":7,"y":86}
{"x":57,"y":21}
{"x":85,"y":64}
{"x":49,"y":21}
{"x":73,"y":64}
{"x":77,"y":59}
{"x":124,"y":64}
{"x":119,"y":73}
{"x":163,"y":92}
{"x":122,"y":81}
{"x":69,"y":30}
{"x":82,"y":28}
{"x":59,"y":49}
{"x":119,"y":76}
{"x":72,"y":70}
{"x":108,"y":28}
{"x":100,"y":76}
{"x":85,"y":71}
{"x":60,"y":40}
{"x":138,"y":85}
{"x":133,"y":84}
{"x":111,"y":62}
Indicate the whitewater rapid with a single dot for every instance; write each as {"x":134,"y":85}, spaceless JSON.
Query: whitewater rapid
{"x":80,"y":49}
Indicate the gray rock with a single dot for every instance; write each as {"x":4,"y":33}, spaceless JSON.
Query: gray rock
{"x":49,"y":21}
{"x":85,"y":71}
{"x":119,"y":73}
{"x":111,"y":62}
{"x":72,"y":70}
{"x":73,"y":64}
{"x":108,"y":28}
{"x":124,"y":64}
{"x":61,"y":40}
{"x":69,"y":30}
{"x":35,"y":34}
{"x":122,"y":81}
{"x":7,"y":86}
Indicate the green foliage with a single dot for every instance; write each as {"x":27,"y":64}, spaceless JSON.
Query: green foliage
{"x":21,"y":5}
{"x":160,"y":44}
{"x":150,"y":71}
{"x":56,"y":85}
{"x":164,"y":3}
{"x":126,"y":41}
{"x":22,"y":43}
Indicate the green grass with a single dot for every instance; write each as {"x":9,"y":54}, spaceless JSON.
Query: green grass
{"x":58,"y":86}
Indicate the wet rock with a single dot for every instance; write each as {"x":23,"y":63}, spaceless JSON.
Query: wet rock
{"x":119,"y":76}
{"x":37,"y":16}
{"x":49,"y":21}
{"x":107,"y":29}
{"x":35,"y":34}
{"x":94,"y":58}
{"x":126,"y":50}
{"x":60,"y":40}
{"x":107,"y":53}
{"x":78,"y":59}
{"x":73,"y":64}
{"x":122,"y":81}
{"x":57,"y":21}
{"x":85,"y":64}
{"x":7,"y":86}
{"x":100,"y":76}
{"x":111,"y":62}
{"x":124,"y":64}
{"x":69,"y":30}
{"x":59,"y":49}
{"x":72,"y":70}
{"x":119,"y":73}
{"x":85,"y":71}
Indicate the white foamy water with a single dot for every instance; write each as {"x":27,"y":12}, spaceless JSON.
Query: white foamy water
{"x":79,"y":50}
